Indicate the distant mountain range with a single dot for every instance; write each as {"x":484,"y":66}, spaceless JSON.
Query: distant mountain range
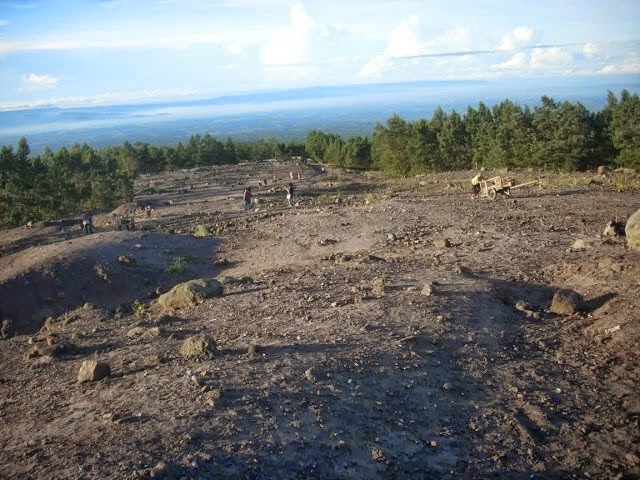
{"x":288,"y":114}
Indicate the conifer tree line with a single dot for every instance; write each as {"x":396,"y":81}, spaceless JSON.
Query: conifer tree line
{"x":557,"y":136}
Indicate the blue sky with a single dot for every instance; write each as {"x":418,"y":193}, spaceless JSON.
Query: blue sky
{"x":69,"y":52}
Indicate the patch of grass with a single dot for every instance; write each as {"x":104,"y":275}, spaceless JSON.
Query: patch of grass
{"x":371,"y":199}
{"x":326,"y":198}
{"x":200,"y":231}
{"x":140,"y":309}
{"x":625,"y":183}
{"x":177,"y":267}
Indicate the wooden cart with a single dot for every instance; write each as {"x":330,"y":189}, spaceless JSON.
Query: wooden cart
{"x":491,"y":187}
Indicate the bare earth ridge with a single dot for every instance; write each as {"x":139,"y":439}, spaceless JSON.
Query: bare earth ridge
{"x":379,"y":329}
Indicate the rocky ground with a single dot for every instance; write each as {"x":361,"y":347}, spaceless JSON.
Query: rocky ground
{"x":378,"y":329}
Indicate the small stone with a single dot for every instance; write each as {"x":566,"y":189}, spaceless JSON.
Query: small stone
{"x":522,"y":306}
{"x":253,"y":350}
{"x":93,"y":371}
{"x":377,"y":455}
{"x":39,"y":362}
{"x":442,"y":243}
{"x":152,"y":361}
{"x":579,"y":244}
{"x":126,"y":260}
{"x":309,"y":375}
{"x":427,"y":290}
{"x":379,"y":286}
{"x":433,"y":443}
{"x":159,"y":471}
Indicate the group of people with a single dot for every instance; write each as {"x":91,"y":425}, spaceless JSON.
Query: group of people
{"x":248,"y":196}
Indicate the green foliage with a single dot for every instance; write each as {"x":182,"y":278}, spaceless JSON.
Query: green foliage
{"x":625,"y":129}
{"x":140,"y":309}
{"x":556,"y":136}
{"x":177,"y":267}
{"x":200,"y":231}
{"x":55,"y":184}
{"x":371,"y":199}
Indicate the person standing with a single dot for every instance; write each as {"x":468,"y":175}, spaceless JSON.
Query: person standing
{"x":290,"y":193}
{"x":247,"y":198}
{"x":87,"y":224}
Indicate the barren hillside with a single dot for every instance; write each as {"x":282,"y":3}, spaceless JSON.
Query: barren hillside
{"x":378,"y":329}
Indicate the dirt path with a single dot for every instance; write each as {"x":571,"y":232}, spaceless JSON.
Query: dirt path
{"x":388,"y":341}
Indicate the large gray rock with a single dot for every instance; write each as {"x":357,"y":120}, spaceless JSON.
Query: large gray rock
{"x":566,"y":302}
{"x":191,"y":293}
{"x":92,"y":371}
{"x":632,"y":231}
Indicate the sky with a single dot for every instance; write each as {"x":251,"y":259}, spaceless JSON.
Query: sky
{"x":72,"y":52}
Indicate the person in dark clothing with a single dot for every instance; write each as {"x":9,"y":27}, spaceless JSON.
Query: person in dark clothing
{"x":87,"y":224}
{"x":290,"y":193}
{"x":247,"y":198}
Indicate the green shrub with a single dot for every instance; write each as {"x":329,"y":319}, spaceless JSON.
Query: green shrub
{"x":371,"y":199}
{"x":200,"y":231}
{"x":177,"y":267}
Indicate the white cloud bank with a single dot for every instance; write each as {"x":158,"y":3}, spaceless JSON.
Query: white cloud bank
{"x":404,"y":40}
{"x":518,"y":37}
{"x":292,"y":44}
{"x":35,"y":81}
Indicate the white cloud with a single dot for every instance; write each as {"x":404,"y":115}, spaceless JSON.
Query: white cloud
{"x":544,"y":57}
{"x":35,"y":81}
{"x":292,"y":44}
{"x":630,"y":65}
{"x":589,"y":49}
{"x":453,"y":39}
{"x":404,"y":40}
{"x":551,"y":59}
{"x":518,"y":61}
{"x":375,"y":67}
{"x":518,"y":37}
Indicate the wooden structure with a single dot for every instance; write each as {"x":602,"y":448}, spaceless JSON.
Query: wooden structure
{"x":492,"y":186}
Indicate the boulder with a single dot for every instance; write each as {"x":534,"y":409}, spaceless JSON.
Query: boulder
{"x":602,"y":170}
{"x":632,"y":231}
{"x":566,"y":302}
{"x":191,"y":293}
{"x":198,"y":346}
{"x":92,"y":371}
